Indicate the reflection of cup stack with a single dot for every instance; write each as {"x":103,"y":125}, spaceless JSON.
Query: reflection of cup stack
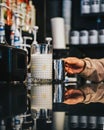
{"x":58,"y":32}
{"x":41,"y":66}
{"x":41,"y":96}
{"x":58,"y":120}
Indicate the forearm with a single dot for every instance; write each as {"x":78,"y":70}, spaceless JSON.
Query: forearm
{"x":93,"y":93}
{"x":94,"y":69}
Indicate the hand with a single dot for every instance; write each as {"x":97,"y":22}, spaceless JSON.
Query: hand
{"x":73,"y":65}
{"x":73,"y":96}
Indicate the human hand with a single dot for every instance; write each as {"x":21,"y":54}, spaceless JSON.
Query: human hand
{"x":73,"y":65}
{"x":73,"y":96}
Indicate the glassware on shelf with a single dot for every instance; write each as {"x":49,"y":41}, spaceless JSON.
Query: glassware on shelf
{"x":35,"y":46}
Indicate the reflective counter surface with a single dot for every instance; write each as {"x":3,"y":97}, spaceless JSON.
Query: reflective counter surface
{"x":92,"y":101}
{"x":84,"y":108}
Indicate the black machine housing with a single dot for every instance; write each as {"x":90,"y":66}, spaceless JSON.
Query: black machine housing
{"x":13,"y":63}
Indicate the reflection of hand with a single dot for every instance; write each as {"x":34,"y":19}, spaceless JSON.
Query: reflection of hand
{"x":73,"y":96}
{"x":73,"y":65}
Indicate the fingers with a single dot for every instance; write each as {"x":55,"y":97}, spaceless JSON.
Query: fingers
{"x":73,"y":96}
{"x":69,"y":70}
{"x":73,"y":101}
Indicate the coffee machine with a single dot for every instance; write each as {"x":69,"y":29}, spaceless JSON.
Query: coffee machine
{"x":13,"y":93}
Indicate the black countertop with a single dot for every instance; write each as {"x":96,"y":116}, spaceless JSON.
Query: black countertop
{"x":92,"y":108}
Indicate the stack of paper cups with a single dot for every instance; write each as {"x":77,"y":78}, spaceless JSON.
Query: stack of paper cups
{"x":66,"y":11}
{"x":58,"y":32}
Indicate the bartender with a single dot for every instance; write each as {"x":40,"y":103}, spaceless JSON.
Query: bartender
{"x":90,"y":69}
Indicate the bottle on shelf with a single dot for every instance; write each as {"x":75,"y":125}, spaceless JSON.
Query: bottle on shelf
{"x":2,"y":24}
{"x":2,"y":33}
{"x":18,"y":40}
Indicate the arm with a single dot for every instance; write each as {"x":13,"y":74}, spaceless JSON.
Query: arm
{"x":90,"y":93}
{"x":91,"y":69}
{"x":93,"y":93}
{"x":94,"y":69}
